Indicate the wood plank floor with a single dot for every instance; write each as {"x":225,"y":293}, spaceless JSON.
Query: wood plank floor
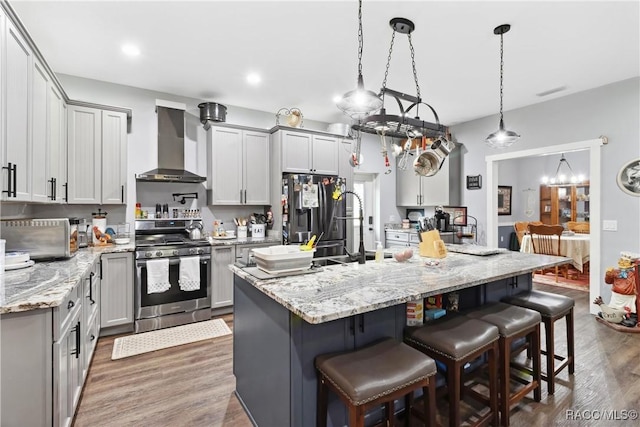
{"x":192,"y":385}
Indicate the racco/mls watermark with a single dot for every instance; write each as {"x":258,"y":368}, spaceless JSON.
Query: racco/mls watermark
{"x":601,"y":414}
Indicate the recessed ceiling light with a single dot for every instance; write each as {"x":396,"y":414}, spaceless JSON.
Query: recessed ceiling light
{"x":130,"y":50}
{"x":254,"y":78}
{"x":337,"y":98}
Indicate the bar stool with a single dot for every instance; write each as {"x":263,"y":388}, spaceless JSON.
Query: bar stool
{"x":373,"y":375}
{"x":551,"y":307}
{"x":455,"y":340}
{"x":513,"y":322}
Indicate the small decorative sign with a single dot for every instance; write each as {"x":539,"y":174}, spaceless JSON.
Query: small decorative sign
{"x":474,"y":182}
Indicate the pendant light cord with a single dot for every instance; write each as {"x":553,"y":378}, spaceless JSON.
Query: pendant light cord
{"x":501,"y":72}
{"x":360,"y":40}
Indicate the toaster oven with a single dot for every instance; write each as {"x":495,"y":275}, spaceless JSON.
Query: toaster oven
{"x":41,"y":238}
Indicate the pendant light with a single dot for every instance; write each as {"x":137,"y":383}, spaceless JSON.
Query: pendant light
{"x":359,"y":102}
{"x":502,"y":138}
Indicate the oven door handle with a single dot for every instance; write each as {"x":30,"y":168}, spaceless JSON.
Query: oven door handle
{"x":174,"y":261}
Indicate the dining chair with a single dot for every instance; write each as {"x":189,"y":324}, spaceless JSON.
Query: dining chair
{"x":521,"y":228}
{"x":545,"y":240}
{"x":582,"y":227}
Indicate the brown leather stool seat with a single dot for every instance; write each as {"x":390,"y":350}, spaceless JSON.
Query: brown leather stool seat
{"x":551,"y":307}
{"x":513,"y":322}
{"x":376,"y":374}
{"x":454,"y":341}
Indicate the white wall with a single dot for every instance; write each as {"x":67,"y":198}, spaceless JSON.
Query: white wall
{"x":613,"y":111}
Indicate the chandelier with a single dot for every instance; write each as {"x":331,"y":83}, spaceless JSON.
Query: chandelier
{"x":502,"y":138}
{"x":564,"y":175}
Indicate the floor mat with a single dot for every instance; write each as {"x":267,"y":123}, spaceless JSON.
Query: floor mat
{"x":132,"y":345}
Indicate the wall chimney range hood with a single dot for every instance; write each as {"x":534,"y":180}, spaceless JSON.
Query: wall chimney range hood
{"x":170,"y":147}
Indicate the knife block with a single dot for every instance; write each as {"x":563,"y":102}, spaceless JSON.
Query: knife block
{"x":432,"y":245}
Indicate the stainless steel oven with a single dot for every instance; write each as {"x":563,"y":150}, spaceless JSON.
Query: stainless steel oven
{"x":167,"y":239}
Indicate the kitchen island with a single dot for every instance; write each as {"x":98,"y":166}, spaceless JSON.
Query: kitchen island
{"x":281,"y":324}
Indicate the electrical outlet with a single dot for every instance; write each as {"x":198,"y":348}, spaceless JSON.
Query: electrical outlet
{"x":610,"y":225}
{"x":501,"y":239}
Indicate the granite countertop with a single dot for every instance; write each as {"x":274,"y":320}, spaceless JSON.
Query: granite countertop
{"x":47,"y":283}
{"x":340,"y":291}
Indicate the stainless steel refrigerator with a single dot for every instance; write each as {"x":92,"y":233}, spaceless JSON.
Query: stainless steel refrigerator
{"x":308,"y":209}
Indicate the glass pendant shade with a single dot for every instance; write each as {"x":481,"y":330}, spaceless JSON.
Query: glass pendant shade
{"x":359,"y":102}
{"x":502,"y":138}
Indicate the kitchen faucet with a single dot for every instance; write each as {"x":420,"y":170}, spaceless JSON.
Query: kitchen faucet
{"x":361,"y":255}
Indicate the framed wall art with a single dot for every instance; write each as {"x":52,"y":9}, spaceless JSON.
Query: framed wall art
{"x":457,"y":214}
{"x":629,"y":178}
{"x":504,"y":200}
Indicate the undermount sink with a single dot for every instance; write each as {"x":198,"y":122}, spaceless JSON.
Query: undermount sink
{"x":346,"y":259}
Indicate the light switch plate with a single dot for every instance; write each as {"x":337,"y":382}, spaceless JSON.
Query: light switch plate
{"x":610,"y":225}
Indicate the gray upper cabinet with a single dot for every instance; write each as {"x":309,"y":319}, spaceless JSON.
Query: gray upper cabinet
{"x":97,"y":155}
{"x":34,"y":145}
{"x":309,"y":153}
{"x":85,"y":158}
{"x":41,"y":182}
{"x":443,"y":188}
{"x":238,"y":167}
{"x":114,"y":157}
{"x":17,"y":59}
{"x":57,"y":147}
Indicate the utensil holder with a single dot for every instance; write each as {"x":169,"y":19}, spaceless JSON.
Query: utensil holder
{"x":257,"y":230}
{"x":242,"y":232}
{"x":432,"y":245}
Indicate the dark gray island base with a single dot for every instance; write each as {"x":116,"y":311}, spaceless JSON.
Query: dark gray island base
{"x":281,"y":325}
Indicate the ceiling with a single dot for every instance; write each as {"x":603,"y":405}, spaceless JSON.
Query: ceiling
{"x":306,"y":51}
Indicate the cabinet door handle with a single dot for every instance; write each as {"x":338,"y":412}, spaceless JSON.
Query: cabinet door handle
{"x":361,"y":324}
{"x":51,"y":188}
{"x":78,"y":346}
{"x":70,"y":305}
{"x":55,"y":188}
{"x":91,"y":287}
{"x":240,"y":196}
{"x":352,"y":325}
{"x":15,"y":180}
{"x":66,"y":191}
{"x":12,"y":175}
{"x":9,"y":177}
{"x":245,"y":196}
{"x":122,"y":193}
{"x":93,"y":337}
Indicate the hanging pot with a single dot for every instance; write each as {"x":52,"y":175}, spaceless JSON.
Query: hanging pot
{"x":212,"y":112}
{"x":427,"y":163}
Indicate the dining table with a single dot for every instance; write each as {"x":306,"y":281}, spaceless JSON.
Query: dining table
{"x":574,"y":246}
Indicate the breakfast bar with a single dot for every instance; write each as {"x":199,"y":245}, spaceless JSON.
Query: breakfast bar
{"x":282,"y":324}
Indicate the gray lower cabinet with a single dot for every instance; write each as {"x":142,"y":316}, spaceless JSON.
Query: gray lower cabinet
{"x":90,"y":315}
{"x":116,"y":291}
{"x":221,"y":276}
{"x":45,"y":355}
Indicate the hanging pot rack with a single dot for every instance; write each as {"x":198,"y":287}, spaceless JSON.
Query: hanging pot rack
{"x":397,"y":126}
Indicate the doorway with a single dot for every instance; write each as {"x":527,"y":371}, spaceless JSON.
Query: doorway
{"x":593,"y":145}
{"x":364,"y":186}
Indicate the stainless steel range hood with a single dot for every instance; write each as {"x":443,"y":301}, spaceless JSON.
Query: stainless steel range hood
{"x":170,"y":147}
